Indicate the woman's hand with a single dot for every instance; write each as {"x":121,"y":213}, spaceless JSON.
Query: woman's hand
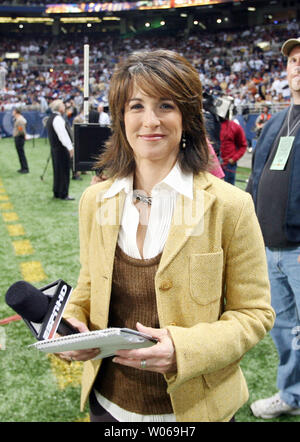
{"x":160,"y":357}
{"x":78,"y":355}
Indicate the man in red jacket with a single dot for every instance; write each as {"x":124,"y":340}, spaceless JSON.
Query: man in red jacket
{"x":233,"y":146}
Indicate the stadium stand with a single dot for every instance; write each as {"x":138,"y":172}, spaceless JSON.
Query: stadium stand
{"x":245,"y":64}
{"x":226,"y":63}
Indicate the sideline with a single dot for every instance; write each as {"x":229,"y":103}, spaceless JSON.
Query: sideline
{"x":31,"y":271}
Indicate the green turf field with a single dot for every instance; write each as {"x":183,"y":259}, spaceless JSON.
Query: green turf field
{"x":39,"y":242}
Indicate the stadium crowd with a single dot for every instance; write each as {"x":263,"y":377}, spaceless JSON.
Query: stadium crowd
{"x":41,"y":3}
{"x":246,"y":65}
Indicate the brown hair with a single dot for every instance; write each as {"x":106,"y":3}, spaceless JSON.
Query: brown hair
{"x":161,"y":73}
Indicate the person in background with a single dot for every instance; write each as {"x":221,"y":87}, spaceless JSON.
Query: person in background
{"x":275,"y":187}
{"x":212,"y":122}
{"x":233,"y":147}
{"x":261,"y":120}
{"x":59,"y":135}
{"x":166,"y":248}
{"x":93,"y":113}
{"x":104,"y":119}
{"x":71,"y":111}
{"x":19,"y":134}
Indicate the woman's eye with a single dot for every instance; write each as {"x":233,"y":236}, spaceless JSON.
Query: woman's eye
{"x":136,"y":106}
{"x":167,"y":106}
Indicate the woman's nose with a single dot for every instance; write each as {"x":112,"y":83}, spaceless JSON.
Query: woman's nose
{"x":151,"y":119}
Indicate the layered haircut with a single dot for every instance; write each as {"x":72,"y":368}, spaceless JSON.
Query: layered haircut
{"x":160,"y":73}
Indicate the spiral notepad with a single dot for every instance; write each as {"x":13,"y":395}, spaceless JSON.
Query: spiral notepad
{"x":108,"y":341}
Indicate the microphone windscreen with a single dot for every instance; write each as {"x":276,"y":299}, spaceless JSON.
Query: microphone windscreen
{"x":28,"y":301}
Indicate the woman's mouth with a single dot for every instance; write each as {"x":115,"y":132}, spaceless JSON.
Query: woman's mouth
{"x":151,"y":137}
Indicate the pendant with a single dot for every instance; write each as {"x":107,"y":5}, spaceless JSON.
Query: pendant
{"x":144,"y":199}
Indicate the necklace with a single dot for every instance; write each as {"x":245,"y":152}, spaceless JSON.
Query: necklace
{"x":288,"y":123}
{"x":144,"y":199}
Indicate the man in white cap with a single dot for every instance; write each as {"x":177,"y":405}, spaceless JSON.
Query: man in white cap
{"x":275,"y":187}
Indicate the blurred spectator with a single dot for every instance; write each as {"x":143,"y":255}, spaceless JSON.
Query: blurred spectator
{"x":19,"y":133}
{"x":261,"y":120}
{"x":104,"y":119}
{"x":212,"y":122}
{"x":61,"y":150}
{"x":233,"y":147}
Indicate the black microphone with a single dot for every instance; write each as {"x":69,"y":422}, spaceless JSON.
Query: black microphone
{"x":41,"y":309}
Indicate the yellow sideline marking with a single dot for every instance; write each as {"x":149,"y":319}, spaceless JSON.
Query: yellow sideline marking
{"x":23,"y":247}
{"x":83,"y":419}
{"x":32,"y":271}
{"x":10,"y":216}
{"x":6,"y":206}
{"x":66,"y":373}
{"x":15,"y":229}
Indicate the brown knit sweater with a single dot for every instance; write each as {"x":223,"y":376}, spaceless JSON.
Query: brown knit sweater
{"x":133,"y":299}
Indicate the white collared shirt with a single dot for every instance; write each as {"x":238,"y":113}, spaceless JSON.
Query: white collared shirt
{"x":164,"y":196}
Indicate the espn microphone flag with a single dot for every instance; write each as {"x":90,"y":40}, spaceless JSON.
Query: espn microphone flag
{"x":42,"y":309}
{"x":55,"y":311}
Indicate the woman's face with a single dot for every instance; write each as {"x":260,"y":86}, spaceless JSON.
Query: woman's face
{"x":153,"y":127}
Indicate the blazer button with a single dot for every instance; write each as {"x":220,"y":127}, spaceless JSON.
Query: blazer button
{"x":166,"y":285}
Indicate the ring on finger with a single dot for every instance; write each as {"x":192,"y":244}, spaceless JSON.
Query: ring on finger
{"x":143,"y":364}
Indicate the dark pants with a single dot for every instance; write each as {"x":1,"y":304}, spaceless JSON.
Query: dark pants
{"x":61,"y":172}
{"x":19,"y":143}
{"x":230,"y":172}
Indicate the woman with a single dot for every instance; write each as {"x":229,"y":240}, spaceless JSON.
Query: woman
{"x":171,"y":250}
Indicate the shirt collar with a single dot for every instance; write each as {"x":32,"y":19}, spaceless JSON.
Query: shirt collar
{"x":119,"y":184}
{"x":177,"y":180}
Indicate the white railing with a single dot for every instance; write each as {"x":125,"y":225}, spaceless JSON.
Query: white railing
{"x":257,"y":108}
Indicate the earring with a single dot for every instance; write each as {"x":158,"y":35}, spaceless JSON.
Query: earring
{"x":183,"y":141}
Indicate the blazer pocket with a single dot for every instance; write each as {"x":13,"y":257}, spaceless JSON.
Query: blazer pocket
{"x":206,"y":277}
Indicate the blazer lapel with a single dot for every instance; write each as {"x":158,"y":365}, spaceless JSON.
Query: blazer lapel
{"x":188,"y":219}
{"x":110,"y":219}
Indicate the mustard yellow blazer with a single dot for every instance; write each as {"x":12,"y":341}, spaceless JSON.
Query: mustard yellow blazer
{"x":212,"y":291}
